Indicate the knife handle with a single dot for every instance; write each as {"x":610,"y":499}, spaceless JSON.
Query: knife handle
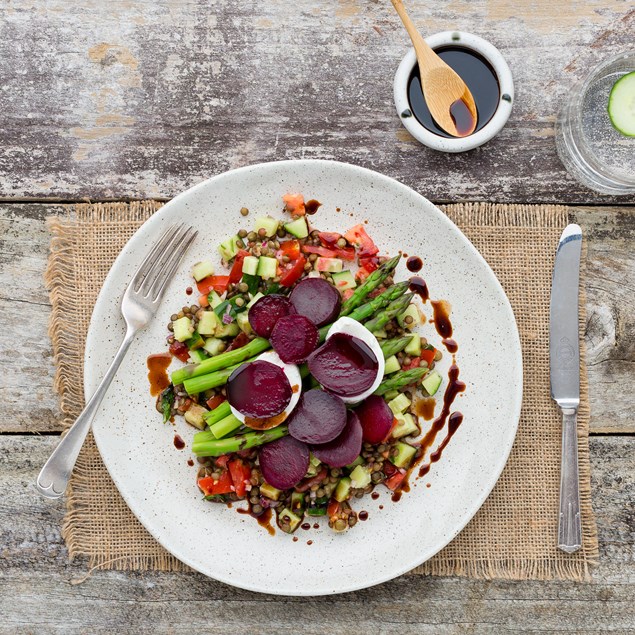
{"x":569,"y":525}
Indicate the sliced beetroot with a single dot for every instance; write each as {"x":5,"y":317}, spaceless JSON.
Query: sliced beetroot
{"x":259,"y":390}
{"x":344,"y":365}
{"x":345,"y":448}
{"x":376,"y":418}
{"x":294,"y":338}
{"x":319,"y":417}
{"x":284,"y":462}
{"x":265,"y":312}
{"x":316,"y":299}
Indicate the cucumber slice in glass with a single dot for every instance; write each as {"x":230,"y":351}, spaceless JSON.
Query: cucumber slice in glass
{"x":621,"y":106}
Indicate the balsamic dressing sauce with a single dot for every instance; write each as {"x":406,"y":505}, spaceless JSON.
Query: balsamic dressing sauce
{"x":441,"y":313}
{"x":450,"y":345}
{"x":158,"y":372}
{"x":179,"y":444}
{"x":480,"y":78}
{"x":414,"y":264}
{"x":312,"y":206}
{"x":418,"y":285}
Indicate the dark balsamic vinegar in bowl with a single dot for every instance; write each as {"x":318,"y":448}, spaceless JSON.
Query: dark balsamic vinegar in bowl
{"x":480,"y":78}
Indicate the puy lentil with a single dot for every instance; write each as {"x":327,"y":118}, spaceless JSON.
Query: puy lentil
{"x":242,"y":233}
{"x":244,"y":211}
{"x":174,"y":317}
{"x":438,"y":355}
{"x":240,"y":301}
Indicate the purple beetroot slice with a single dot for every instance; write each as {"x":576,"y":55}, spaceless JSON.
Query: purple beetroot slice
{"x":319,"y":417}
{"x":259,"y":390}
{"x":294,"y":338}
{"x":376,"y":419}
{"x":266,"y":311}
{"x":344,"y":365}
{"x":345,"y":448}
{"x":316,"y":299}
{"x":284,"y":462}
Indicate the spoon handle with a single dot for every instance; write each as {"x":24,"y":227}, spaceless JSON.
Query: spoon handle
{"x":421,"y":46}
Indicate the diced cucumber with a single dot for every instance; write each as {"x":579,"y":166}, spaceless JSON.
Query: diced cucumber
{"x":391,"y":394}
{"x":360,"y":477}
{"x":229,"y":248}
{"x":344,"y":280}
{"x":431,"y":382}
{"x":358,"y":461}
{"x":380,"y":334}
{"x":399,"y":404}
{"x":292,"y":519}
{"x":182,"y":329}
{"x":411,"y":312}
{"x":198,"y":355}
{"x":298,"y":227}
{"x":214,"y":346}
{"x":196,"y":341}
{"x":250,"y":265}
{"x":406,"y":425}
{"x":405,"y":454}
{"x":270,"y":225}
{"x":214,"y":299}
{"x":202,"y":269}
{"x":242,"y":319}
{"x":317,"y":507}
{"x":391,"y":365}
{"x":343,"y":490}
{"x":228,"y":330}
{"x":413,"y":347}
{"x":621,"y":105}
{"x":270,"y":491}
{"x":311,"y":471}
{"x":329,"y":265}
{"x":313,"y":460}
{"x":208,"y":323}
{"x":267,"y":267}
{"x":297,"y":502}
{"x":255,"y":299}
{"x":194,"y":416}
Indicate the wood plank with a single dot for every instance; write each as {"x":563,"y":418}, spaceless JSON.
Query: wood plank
{"x":31,"y":404}
{"x":37,"y":594}
{"x":139,"y":98}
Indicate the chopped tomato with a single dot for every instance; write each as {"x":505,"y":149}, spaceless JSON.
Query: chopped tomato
{"x":210,"y":487}
{"x":217,"y":283}
{"x":203,"y":301}
{"x":294,"y":204}
{"x":389,"y":468}
{"x":292,"y":271}
{"x":241,"y":475}
{"x":414,"y":363}
{"x":329,"y":239}
{"x":370,"y":264}
{"x":180,"y":350}
{"x":362,"y":274}
{"x":347,"y":253}
{"x":306,"y":484}
{"x":222,"y":460}
{"x":357,"y":236}
{"x":333,"y":508}
{"x":347,"y":294}
{"x":236,"y":272}
{"x":395,"y":480}
{"x":215,"y":401}
{"x":427,"y":355}
{"x":290,"y":248}
{"x":238,"y":342}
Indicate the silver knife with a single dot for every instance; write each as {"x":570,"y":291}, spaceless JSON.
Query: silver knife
{"x":564,"y":358}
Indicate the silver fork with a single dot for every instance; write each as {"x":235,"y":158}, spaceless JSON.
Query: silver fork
{"x":138,"y":306}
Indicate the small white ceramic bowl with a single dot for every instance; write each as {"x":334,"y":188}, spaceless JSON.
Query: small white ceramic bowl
{"x":493,"y":126}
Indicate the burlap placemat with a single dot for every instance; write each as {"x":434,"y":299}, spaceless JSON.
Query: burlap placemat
{"x":512,"y":536}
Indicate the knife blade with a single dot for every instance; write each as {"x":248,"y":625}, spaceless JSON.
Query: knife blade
{"x":564,"y":358}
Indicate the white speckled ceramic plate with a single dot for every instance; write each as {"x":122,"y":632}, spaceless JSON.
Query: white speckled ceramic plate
{"x":154,"y":477}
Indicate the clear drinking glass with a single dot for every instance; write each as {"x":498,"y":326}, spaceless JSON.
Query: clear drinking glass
{"x":592,"y":150}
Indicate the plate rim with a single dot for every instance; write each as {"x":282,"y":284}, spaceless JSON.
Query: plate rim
{"x":90,"y":383}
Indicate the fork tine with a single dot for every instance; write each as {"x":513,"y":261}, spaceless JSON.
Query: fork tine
{"x":148,"y":261}
{"x":161,"y":260}
{"x":168,"y":271}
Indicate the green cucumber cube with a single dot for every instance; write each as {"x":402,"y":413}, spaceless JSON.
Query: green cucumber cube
{"x":250,"y":265}
{"x":399,"y":404}
{"x":404,"y":456}
{"x":358,"y":461}
{"x":391,"y":365}
{"x":293,"y":519}
{"x":214,"y":299}
{"x":406,"y":426}
{"x":254,"y":299}
{"x":298,"y":227}
{"x":270,"y":225}
{"x":431,"y":382}
{"x":360,"y":477}
{"x":196,"y":341}
{"x":270,"y":491}
{"x":411,"y":312}
{"x":344,"y":280}
{"x":297,"y":502}
{"x":182,"y":329}
{"x":267,"y":267}
{"x":214,"y":346}
{"x":413,"y":348}
{"x":227,"y":330}
{"x":343,"y":490}
{"x":208,"y":323}
{"x":229,"y":248}
{"x":194,"y":416}
{"x":202,"y":269}
{"x":380,"y":334}
{"x":242,"y":320}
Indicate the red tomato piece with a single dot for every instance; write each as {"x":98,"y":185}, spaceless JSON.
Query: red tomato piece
{"x":215,"y":401}
{"x":357,"y":236}
{"x":217,"y":283}
{"x":290,"y":248}
{"x":427,"y":355}
{"x":241,"y":475}
{"x":180,"y":351}
{"x":395,"y":481}
{"x":347,"y":253}
{"x":222,"y":460}
{"x":236,"y":272}
{"x":329,"y":239}
{"x":238,"y":342}
{"x":414,"y":363}
{"x":294,"y":204}
{"x":210,"y":487}
{"x":292,"y":272}
{"x":333,"y":508}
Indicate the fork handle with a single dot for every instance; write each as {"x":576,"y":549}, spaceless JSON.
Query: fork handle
{"x":569,"y":524}
{"x":55,"y":474}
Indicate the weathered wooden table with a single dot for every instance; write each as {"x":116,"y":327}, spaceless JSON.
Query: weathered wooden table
{"x":136,"y":98}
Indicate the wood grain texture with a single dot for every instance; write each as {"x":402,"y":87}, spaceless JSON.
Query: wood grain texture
{"x":37,"y":594}
{"x":28,"y":380}
{"x":140,"y":98}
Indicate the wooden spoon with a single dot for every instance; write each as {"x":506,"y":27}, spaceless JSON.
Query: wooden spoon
{"x":447,"y":96}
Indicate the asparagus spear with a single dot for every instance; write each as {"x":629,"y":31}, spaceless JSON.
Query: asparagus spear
{"x":194,"y":385}
{"x":218,"y":362}
{"x":237,"y":443}
{"x":223,"y":427}
{"x":398,"y":380}
{"x":371,"y":283}
{"x":392,"y":347}
{"x":220,"y":412}
{"x":395,"y":308}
